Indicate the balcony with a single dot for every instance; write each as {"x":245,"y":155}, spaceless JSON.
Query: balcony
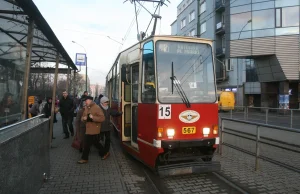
{"x":220,"y":52}
{"x":220,"y":28}
{"x":220,"y":6}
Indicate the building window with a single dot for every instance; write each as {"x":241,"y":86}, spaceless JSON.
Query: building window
{"x":290,"y":16}
{"x":278,"y":18}
{"x":182,"y":24}
{"x":287,"y":17}
{"x":238,"y":21}
{"x":203,"y":28}
{"x":192,"y":32}
{"x":262,"y":19}
{"x":192,"y":16}
{"x":203,"y":7}
{"x":229,"y":64}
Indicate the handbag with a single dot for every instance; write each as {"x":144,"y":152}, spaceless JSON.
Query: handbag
{"x":56,"y":109}
{"x":76,"y":143}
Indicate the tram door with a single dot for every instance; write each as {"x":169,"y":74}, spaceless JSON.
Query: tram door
{"x":134,"y":104}
{"x":130,"y":104}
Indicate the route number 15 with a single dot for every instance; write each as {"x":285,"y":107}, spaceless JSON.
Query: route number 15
{"x":164,"y":111}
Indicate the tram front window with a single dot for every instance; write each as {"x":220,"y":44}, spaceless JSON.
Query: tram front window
{"x":193,"y":68}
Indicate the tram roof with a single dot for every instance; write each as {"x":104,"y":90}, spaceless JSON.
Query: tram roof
{"x":14,"y":16}
{"x":166,"y":36}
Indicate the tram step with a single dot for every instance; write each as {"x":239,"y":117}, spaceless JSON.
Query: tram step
{"x":188,"y":168}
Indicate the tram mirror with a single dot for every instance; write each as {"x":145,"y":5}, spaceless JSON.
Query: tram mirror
{"x":123,"y":73}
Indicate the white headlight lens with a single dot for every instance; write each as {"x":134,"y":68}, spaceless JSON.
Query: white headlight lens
{"x":170,"y":132}
{"x":206,"y":131}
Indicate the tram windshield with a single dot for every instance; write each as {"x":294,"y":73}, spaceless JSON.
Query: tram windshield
{"x":193,"y":68}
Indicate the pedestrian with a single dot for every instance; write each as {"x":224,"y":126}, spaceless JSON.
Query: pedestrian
{"x":106,"y":125}
{"x":35,"y":109}
{"x":80,"y":126}
{"x":93,"y":116}
{"x":47,"y":111}
{"x":66,"y":109}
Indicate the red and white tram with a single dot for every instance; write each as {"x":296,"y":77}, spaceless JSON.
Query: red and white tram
{"x":166,"y":88}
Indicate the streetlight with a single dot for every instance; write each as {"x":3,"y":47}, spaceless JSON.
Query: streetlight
{"x":237,"y":69}
{"x":249,"y":21}
{"x":86,"y":72}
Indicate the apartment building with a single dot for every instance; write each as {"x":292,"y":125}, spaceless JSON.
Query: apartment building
{"x":256,"y":44}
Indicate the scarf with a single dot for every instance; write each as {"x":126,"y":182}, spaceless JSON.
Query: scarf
{"x":104,"y":107}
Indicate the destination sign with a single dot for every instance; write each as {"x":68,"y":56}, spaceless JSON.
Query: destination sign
{"x":181,"y":48}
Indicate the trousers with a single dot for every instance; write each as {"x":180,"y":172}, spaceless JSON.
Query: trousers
{"x":90,"y":140}
{"x":67,"y":121}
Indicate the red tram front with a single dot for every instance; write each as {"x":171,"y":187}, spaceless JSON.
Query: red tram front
{"x":165,"y":86}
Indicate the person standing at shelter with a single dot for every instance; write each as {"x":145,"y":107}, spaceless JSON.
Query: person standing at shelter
{"x":47,"y":111}
{"x":35,"y":109}
{"x":66,"y":109}
{"x":106,"y":126}
{"x":93,"y":116}
{"x":80,"y":126}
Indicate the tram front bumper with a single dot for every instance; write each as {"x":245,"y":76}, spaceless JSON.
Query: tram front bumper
{"x":172,"y":144}
{"x":188,"y":168}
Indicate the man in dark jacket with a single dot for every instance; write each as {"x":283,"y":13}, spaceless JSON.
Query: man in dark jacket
{"x":106,"y":125}
{"x":66,"y":109}
{"x":47,"y":112}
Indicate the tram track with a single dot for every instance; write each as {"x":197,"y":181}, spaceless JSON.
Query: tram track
{"x":138,"y":178}
{"x":230,"y":183}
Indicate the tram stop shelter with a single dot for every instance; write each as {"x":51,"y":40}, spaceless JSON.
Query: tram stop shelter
{"x":26,"y":39}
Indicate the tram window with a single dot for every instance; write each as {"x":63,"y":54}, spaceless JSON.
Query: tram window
{"x":148,"y":80}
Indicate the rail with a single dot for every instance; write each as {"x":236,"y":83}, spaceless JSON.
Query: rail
{"x":21,"y":122}
{"x":275,"y":144}
{"x":274,"y":116}
{"x":6,"y":120}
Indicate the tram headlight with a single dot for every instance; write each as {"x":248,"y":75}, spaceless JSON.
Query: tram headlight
{"x":170,"y":132}
{"x":206,"y":131}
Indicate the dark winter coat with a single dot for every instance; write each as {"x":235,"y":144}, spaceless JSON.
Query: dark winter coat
{"x":47,"y":111}
{"x":107,"y":125}
{"x":66,"y":107}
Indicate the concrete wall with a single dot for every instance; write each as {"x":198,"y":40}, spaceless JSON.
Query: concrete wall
{"x":24,"y":155}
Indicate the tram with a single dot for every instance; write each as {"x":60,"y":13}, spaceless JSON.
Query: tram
{"x":165,"y":86}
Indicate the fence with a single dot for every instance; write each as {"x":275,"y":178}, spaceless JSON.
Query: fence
{"x":24,"y":153}
{"x":274,"y":116}
{"x":275,"y":144}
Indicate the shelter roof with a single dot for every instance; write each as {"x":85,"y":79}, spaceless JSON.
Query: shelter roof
{"x":14,"y":16}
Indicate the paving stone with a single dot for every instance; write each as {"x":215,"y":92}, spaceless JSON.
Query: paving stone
{"x":270,"y":178}
{"x":69,"y":177}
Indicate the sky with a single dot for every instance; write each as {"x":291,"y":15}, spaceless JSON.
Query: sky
{"x":89,"y":22}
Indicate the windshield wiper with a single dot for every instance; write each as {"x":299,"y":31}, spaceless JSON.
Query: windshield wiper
{"x":178,"y":87}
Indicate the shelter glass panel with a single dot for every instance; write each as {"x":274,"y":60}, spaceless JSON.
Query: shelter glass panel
{"x":12,"y":65}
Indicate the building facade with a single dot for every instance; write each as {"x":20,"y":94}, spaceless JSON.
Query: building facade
{"x":256,"y":46}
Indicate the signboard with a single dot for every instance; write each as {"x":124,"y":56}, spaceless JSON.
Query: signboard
{"x":284,"y":101}
{"x":181,"y":48}
{"x":30,"y":101}
{"x":80,"y":59}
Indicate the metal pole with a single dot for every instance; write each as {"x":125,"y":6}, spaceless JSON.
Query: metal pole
{"x":68,"y":79}
{"x":267,"y":114}
{"x":86,"y":75}
{"x":221,"y":137}
{"x":27,"y":68}
{"x":291,"y":118}
{"x":257,"y":149}
{"x":74,"y":84}
{"x":53,"y":97}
